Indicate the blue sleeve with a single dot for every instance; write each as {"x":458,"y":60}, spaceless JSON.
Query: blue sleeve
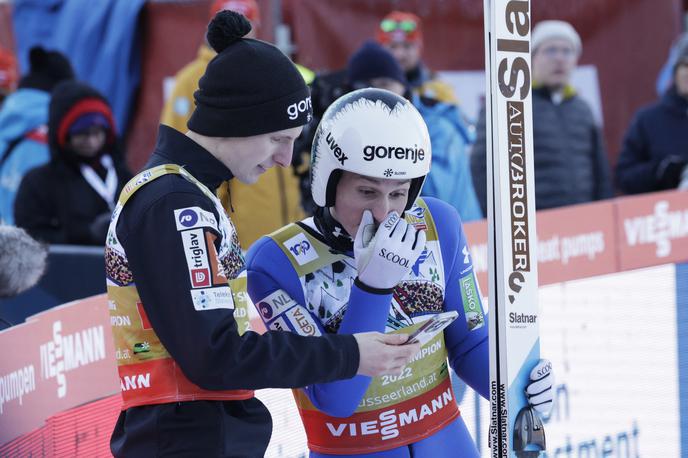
{"x":27,"y":155}
{"x":450,"y":177}
{"x":270,"y":274}
{"x":464,"y":197}
{"x":466,"y":338}
{"x":478,"y":162}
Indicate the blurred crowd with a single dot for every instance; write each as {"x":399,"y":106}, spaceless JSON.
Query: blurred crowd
{"x":62,"y":164}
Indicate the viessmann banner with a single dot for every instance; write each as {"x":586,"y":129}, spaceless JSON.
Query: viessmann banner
{"x":594,"y":239}
{"x":57,"y":360}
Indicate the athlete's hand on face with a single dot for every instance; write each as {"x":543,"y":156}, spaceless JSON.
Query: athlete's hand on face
{"x":383,"y":354}
{"x":386,"y":258}
{"x":539,"y":390}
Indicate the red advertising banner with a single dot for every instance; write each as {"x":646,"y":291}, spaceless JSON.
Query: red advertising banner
{"x":573,"y":242}
{"x":652,"y":229}
{"x":57,"y":360}
{"x":576,"y":242}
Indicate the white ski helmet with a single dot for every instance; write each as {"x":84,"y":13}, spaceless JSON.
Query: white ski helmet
{"x":371,"y":132}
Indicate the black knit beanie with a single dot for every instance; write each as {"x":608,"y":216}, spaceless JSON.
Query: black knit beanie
{"x":47,"y":68}
{"x":372,"y":61}
{"x":249,"y":88}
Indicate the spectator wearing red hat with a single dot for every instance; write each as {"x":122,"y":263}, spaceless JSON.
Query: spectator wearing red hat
{"x":70,"y":199}
{"x":277,"y":191}
{"x":401,"y":33}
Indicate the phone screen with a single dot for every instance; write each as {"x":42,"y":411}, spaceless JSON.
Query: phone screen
{"x":432,"y":327}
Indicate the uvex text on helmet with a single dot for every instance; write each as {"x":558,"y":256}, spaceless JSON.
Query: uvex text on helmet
{"x":371,"y":132}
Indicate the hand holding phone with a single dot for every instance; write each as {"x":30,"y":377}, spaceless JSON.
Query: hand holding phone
{"x":429,"y":329}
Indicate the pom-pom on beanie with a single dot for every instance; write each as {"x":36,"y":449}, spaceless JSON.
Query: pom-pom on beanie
{"x":249,"y":88}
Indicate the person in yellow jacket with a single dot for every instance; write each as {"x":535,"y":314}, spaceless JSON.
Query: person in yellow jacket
{"x":276,"y":193}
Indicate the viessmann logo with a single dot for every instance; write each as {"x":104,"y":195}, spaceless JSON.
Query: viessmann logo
{"x":415,"y":154}
{"x":65,"y":353}
{"x":389,"y":422}
{"x":659,"y":228}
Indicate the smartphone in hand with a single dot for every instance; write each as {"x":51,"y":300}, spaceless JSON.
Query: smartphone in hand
{"x":432,"y":327}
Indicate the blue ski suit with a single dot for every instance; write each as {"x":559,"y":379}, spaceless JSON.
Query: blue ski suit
{"x":301,"y":280}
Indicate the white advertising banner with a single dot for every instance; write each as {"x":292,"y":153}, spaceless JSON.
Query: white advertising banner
{"x":612,"y":341}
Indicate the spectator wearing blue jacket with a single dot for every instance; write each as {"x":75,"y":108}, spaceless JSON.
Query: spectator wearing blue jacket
{"x":450,"y":135}
{"x":23,"y":123}
{"x":655,"y":149}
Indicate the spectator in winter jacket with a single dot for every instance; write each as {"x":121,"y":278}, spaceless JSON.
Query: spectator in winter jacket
{"x":570,"y":162}
{"x":401,"y":33}
{"x":23,"y":119}
{"x":70,"y":199}
{"x":450,"y":135}
{"x":655,"y":150}
{"x":277,"y":191}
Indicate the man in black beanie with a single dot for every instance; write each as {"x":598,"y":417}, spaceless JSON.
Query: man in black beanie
{"x":186,"y":359}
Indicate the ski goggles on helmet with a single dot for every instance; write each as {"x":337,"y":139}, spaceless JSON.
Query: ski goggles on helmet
{"x":399,"y":26}
{"x":390,"y":25}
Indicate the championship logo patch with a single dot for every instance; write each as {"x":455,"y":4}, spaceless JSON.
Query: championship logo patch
{"x":301,"y":249}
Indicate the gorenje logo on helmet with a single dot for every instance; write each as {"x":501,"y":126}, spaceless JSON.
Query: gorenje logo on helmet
{"x":301,"y":106}
{"x":336,"y":150}
{"x":415,"y":154}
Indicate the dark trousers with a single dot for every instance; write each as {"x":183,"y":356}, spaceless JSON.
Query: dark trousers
{"x":193,"y":429}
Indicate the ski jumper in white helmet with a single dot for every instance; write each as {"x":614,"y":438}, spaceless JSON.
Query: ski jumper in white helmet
{"x":304,"y":279}
{"x":371,"y":132}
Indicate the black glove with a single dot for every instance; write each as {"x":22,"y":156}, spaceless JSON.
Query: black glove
{"x":668,"y":172}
